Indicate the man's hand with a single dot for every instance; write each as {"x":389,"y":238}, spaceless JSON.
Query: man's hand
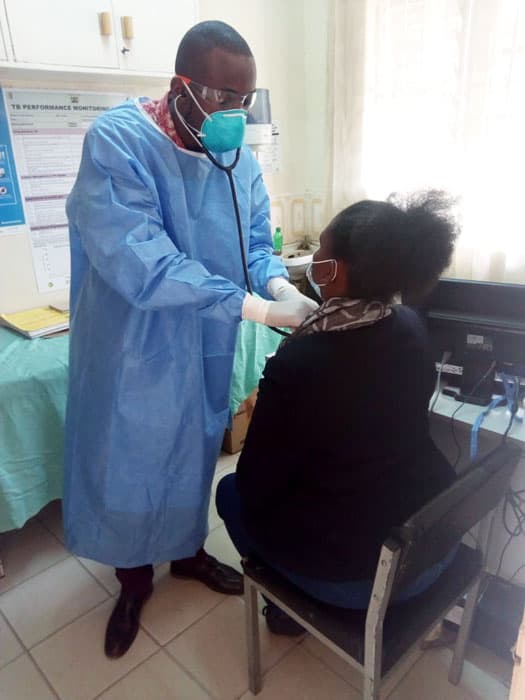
{"x":282,"y":290}
{"x":289,"y":313}
{"x":278,"y":313}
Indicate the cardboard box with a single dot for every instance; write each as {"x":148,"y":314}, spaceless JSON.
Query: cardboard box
{"x":234,"y":438}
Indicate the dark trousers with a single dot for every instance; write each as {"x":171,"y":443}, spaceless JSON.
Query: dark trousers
{"x":137,"y":581}
{"x":345,"y":594}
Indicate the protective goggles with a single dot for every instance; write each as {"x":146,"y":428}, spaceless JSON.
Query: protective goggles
{"x":225,"y":98}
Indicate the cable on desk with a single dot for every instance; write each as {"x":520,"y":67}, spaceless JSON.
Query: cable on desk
{"x":514,"y":498}
{"x":473,"y":391}
{"x":444,"y":359}
{"x":512,"y":392}
{"x":477,"y":425}
{"x":454,"y":436}
{"x":515,"y":502}
{"x":511,"y":386}
{"x":511,"y":579}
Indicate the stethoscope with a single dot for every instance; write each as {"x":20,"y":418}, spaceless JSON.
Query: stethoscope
{"x":228,"y":169}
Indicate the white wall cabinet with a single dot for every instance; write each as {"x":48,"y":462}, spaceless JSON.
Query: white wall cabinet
{"x":156,"y":28}
{"x":128,"y":35}
{"x":61,"y":33}
{"x":3,"y":47}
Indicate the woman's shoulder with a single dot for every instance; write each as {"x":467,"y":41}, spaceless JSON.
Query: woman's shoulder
{"x":296,"y":356}
{"x":407,"y":313}
{"x":302,"y":353}
{"x":409,"y":319}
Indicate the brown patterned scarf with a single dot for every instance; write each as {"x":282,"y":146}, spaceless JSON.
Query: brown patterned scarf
{"x":158,"y":110}
{"x":341,"y":314}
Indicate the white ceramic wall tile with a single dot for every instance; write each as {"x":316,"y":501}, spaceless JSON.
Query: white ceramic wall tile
{"x":299,"y":676}
{"x":429,"y":676}
{"x":335,"y":663}
{"x":478,"y":684}
{"x":10,"y":647}
{"x":214,"y":650}
{"x":221,"y":547}
{"x":299,"y":214}
{"x":226,"y":462}
{"x":351,"y":674}
{"x":494,"y":665}
{"x":73,"y":659}
{"x":27,"y":552}
{"x":158,"y":678}
{"x":175,"y":605}
{"x":58,"y":596}
{"x":20,"y":680}
{"x":104,"y":574}
{"x":207,"y":647}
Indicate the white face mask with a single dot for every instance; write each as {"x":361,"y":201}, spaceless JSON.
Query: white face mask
{"x":316,"y":286}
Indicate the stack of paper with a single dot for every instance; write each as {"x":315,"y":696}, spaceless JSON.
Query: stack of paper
{"x":37,"y":323}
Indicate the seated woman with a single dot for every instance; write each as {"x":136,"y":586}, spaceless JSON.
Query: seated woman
{"x":338,"y":450}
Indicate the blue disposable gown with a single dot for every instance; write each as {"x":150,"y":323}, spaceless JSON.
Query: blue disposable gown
{"x":156,"y":295}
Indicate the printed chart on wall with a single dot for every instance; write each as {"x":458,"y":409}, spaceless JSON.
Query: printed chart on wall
{"x":12,"y":218}
{"x":47,"y":129}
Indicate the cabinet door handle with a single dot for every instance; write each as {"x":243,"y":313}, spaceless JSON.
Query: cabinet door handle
{"x":104,"y":19}
{"x":127,"y":27}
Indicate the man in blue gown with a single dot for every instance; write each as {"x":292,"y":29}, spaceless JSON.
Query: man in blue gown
{"x":157,"y":294}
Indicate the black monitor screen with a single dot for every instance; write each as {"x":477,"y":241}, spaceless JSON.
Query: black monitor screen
{"x":481,"y":327}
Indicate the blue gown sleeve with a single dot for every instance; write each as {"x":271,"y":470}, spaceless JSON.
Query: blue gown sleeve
{"x":118,"y":220}
{"x":262,"y":264}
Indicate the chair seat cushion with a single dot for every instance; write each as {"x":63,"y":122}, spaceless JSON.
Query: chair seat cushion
{"x":404,"y":624}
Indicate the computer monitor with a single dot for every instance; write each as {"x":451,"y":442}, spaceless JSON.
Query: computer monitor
{"x":482,"y":326}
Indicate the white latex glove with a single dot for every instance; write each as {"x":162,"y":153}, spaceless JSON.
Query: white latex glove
{"x":289,"y":313}
{"x":277,"y":313}
{"x":282,"y":290}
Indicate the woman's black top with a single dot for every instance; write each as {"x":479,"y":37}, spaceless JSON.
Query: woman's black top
{"x":339,"y":450}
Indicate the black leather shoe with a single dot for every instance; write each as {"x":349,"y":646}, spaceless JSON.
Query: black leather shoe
{"x":123,"y":624}
{"x":278,"y":622}
{"x":202,"y":567}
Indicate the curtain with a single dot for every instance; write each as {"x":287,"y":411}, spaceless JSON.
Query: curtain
{"x":431,"y":94}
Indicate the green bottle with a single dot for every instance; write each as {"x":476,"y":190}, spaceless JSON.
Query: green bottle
{"x":278,"y":241}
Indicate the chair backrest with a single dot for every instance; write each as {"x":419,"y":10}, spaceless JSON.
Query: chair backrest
{"x":429,"y":535}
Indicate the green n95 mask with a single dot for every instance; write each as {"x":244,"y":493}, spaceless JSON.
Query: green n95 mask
{"x":220,"y":131}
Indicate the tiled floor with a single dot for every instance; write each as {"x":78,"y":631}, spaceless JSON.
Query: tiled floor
{"x":54,"y":608}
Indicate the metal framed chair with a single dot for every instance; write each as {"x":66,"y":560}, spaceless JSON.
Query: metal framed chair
{"x":376,"y":640}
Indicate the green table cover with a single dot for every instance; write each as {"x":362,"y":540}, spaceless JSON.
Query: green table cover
{"x":33,"y":383}
{"x":33,"y":388}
